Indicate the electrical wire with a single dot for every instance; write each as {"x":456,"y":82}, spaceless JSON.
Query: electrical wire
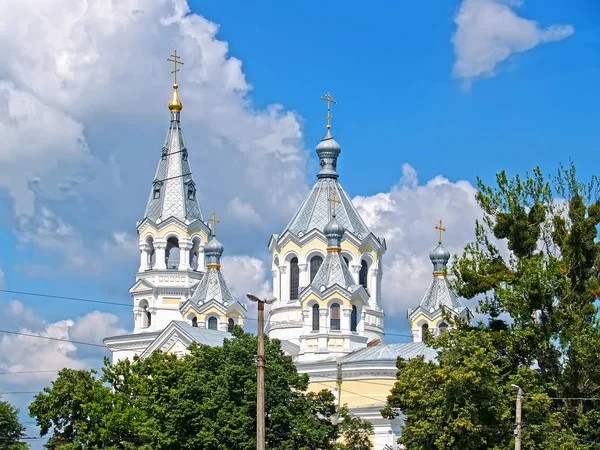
{"x":53,"y":338}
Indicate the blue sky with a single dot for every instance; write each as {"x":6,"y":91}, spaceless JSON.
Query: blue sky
{"x":415,"y":133}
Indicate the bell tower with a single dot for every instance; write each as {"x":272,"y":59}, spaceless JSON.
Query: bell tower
{"x":172,"y":233}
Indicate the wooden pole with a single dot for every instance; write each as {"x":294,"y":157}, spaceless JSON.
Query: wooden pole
{"x":518,"y":421}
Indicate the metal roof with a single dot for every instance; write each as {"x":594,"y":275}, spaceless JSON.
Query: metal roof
{"x":391,"y":352}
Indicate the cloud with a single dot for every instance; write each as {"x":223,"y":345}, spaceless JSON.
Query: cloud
{"x":406,"y":216}
{"x":82,"y":122}
{"x":490,"y":31}
{"x":246,"y":274}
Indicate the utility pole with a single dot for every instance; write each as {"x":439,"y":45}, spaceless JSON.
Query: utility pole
{"x":260,"y":371}
{"x":518,"y":420}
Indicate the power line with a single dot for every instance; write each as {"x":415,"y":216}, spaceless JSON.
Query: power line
{"x":45,"y":371}
{"x":52,"y":338}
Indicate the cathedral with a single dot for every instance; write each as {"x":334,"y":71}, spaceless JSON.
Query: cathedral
{"x":326,"y":269}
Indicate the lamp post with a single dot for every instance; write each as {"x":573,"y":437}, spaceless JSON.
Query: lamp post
{"x":518,"y":420}
{"x":260,"y":371}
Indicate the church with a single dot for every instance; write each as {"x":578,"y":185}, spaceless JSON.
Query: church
{"x":326,"y":269}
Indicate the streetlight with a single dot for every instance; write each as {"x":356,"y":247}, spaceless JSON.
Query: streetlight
{"x":260,"y":372}
{"x":518,"y":422}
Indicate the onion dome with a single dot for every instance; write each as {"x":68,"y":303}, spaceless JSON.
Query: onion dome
{"x":439,"y":256}
{"x":334,"y":232}
{"x":212,"y":252}
{"x":328,"y":151}
{"x":175,"y":104}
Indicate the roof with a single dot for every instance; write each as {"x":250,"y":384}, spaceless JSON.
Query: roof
{"x":333,"y":270}
{"x":174,"y":179}
{"x":203,"y":335}
{"x":439,"y":294}
{"x":212,"y":286}
{"x":391,"y":352}
{"x":316,"y":210}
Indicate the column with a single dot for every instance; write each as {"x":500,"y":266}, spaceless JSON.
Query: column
{"x":184,"y":254}
{"x":345,"y":322}
{"x":374,"y":280}
{"x":284,"y":286}
{"x":201,"y":266}
{"x":304,"y":281}
{"x":276,"y":285}
{"x":355,"y":272}
{"x":160,"y":247}
{"x":144,"y":252}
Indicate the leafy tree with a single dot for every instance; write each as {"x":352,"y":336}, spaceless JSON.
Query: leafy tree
{"x":541,"y":300}
{"x":11,"y":429}
{"x":205,"y":400}
{"x":354,"y":432}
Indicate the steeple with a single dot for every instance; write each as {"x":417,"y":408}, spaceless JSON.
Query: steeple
{"x":439,"y":256}
{"x":328,"y":149}
{"x":173,"y":192}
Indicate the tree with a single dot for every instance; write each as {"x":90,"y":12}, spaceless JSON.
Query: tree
{"x":205,"y":400}
{"x":11,"y":429}
{"x":355,"y":433}
{"x":542,"y":333}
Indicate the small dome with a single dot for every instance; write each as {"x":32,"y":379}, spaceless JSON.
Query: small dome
{"x":175,"y":104}
{"x":329,"y":145}
{"x":334,"y":228}
{"x":439,"y":254}
{"x":214,"y":246}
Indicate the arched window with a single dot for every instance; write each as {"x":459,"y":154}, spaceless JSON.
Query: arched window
{"x":424,"y":330}
{"x":353,"y":318}
{"x":194,"y":321}
{"x":346,"y":261}
{"x":212,"y":323}
{"x":315,"y":263}
{"x":315,"y":317}
{"x":172,"y":254}
{"x":191,"y":191}
{"x":362,"y":276}
{"x":334,"y":315}
{"x":230,"y":325}
{"x":294,"y":279}
{"x":146,"y":316}
{"x":442,"y":328}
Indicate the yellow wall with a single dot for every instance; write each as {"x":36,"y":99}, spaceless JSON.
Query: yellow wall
{"x":431,"y":323}
{"x":356,"y":393}
{"x":174,"y":228}
{"x":171,"y":300}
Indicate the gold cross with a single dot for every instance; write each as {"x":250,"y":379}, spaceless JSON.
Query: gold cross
{"x":334,"y":201}
{"x":175,"y":61}
{"x":215,"y":221}
{"x":329,"y":99}
{"x":439,"y":227}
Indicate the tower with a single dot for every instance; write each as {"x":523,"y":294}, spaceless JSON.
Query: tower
{"x":172,"y":233}
{"x":439,"y":302}
{"x":301,"y":249}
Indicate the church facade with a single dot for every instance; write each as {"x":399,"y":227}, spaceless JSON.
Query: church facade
{"x":327,"y":271}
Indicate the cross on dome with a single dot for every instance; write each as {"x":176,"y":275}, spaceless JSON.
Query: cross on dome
{"x":334,"y":201}
{"x":441,"y":229}
{"x":175,"y":61}
{"x":215,"y":221}
{"x":329,"y":99}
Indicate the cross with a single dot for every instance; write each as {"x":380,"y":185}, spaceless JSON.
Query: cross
{"x":215,"y":221}
{"x":175,"y":61}
{"x":334,"y":201}
{"x":329,"y":99}
{"x":439,"y":227}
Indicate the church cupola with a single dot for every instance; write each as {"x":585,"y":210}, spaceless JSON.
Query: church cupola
{"x":328,"y":149}
{"x":212,"y":253}
{"x":439,"y":256}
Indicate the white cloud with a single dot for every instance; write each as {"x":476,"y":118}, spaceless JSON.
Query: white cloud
{"x":406,"y":217}
{"x":246,"y":274}
{"x":490,"y":31}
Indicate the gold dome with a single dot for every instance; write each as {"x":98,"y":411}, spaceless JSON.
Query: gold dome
{"x":175,"y":103}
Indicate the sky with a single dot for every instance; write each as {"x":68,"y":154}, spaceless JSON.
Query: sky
{"x":431,"y":95}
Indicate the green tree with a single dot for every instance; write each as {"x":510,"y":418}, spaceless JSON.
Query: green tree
{"x":542,"y":334}
{"x":355,"y":433}
{"x":205,"y":400}
{"x":11,"y":429}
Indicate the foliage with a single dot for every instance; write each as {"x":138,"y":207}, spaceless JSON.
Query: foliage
{"x":355,"y":432}
{"x":534,"y":267}
{"x":11,"y":429}
{"x":205,"y":400}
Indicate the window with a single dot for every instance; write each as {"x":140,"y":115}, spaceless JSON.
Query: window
{"x":346,"y":261}
{"x":315,"y":263}
{"x":424,"y":330}
{"x":230,"y":325}
{"x":442,"y":328}
{"x":191,"y":191}
{"x":212,"y":323}
{"x":184,"y":155}
{"x":156,"y":192}
{"x":195,"y":322}
{"x":334,"y":313}
{"x":315,"y":317}
{"x":294,"y":279}
{"x":164,"y":153}
{"x":353,"y":318}
{"x":146,"y":316}
{"x":362,"y":276}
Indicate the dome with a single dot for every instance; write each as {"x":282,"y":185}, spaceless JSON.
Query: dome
{"x":439,"y":254}
{"x":333,"y":228}
{"x":328,"y":145}
{"x":175,"y":104}
{"x":214,"y":246}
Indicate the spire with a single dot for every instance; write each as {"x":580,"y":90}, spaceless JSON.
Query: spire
{"x":328,"y":149}
{"x":439,"y":256}
{"x":173,"y":192}
{"x":214,"y":249}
